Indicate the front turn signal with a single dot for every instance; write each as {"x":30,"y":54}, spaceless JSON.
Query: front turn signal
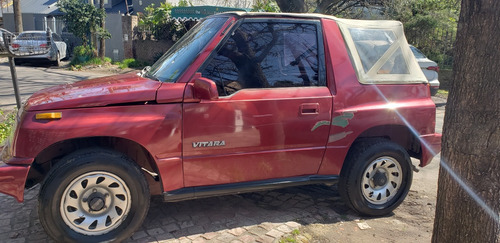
{"x":48,"y":116}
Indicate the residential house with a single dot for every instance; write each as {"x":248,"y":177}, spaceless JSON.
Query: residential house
{"x":43,"y":14}
{"x":139,"y":5}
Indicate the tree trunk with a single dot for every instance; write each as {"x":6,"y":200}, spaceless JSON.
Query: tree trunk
{"x":18,"y":17}
{"x":471,"y":139}
{"x":102,"y":44}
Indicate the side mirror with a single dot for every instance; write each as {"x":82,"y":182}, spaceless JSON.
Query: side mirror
{"x":205,"y":89}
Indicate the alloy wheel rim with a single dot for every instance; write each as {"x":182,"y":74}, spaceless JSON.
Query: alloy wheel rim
{"x":95,"y":203}
{"x":381,"y":180}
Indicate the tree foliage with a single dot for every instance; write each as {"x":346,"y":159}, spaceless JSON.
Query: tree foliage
{"x":431,"y":25}
{"x":83,"y":19}
{"x":158,"y":21}
{"x":345,"y":8}
{"x":265,"y":6}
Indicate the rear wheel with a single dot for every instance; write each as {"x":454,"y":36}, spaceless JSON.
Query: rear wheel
{"x":376,"y":177}
{"x":92,"y":196}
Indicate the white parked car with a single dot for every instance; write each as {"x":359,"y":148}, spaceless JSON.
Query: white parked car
{"x":429,"y":67}
{"x":35,"y":46}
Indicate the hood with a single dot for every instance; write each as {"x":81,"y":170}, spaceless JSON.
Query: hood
{"x":125,"y":88}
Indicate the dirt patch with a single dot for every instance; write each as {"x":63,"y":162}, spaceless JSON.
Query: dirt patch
{"x":412,"y":221}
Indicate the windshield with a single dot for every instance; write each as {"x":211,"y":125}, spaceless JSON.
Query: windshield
{"x":417,"y":52}
{"x":173,"y":63}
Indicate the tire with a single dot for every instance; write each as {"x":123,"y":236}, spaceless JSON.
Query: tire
{"x":376,"y":177}
{"x":57,"y":62}
{"x":434,"y":92}
{"x":98,"y":184}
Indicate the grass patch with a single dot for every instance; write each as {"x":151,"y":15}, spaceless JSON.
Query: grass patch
{"x":131,"y":63}
{"x":289,"y":239}
{"x":86,"y":56}
{"x":294,"y":237}
{"x":8,"y":120}
{"x":442,"y":93}
{"x":95,"y":61}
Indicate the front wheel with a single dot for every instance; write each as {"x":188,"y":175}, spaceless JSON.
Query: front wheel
{"x":376,"y":177}
{"x":93,"y":196}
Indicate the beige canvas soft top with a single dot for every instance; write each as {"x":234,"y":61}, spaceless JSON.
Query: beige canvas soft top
{"x":379,"y":52}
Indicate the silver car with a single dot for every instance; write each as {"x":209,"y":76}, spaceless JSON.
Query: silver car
{"x":429,"y":67}
{"x":37,"y":46}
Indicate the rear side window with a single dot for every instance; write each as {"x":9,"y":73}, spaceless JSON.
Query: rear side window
{"x":379,"y":52}
{"x":372,"y":46}
{"x":266,"y":55}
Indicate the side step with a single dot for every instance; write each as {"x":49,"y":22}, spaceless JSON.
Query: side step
{"x":245,"y":187}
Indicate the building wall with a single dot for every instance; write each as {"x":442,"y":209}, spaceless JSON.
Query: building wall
{"x":139,"y":5}
{"x":8,"y":21}
{"x":149,"y":50}
{"x":114,"y":45}
{"x":33,"y":22}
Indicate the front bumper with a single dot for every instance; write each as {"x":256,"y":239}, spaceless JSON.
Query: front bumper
{"x":13,"y":179}
{"x":430,"y":145}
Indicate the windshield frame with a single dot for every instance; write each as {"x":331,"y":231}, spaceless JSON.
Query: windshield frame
{"x":161,"y":66}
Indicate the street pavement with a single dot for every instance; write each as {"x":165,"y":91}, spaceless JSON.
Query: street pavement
{"x":33,"y":78}
{"x":252,"y":217}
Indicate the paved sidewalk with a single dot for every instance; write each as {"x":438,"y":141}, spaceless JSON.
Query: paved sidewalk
{"x":252,"y":217}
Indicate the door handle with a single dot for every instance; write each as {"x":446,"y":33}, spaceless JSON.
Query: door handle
{"x":309,"y":109}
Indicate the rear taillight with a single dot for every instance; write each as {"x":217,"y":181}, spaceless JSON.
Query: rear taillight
{"x":15,"y":45}
{"x":44,"y":46}
{"x":433,"y":68}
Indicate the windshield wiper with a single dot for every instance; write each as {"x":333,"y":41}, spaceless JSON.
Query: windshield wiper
{"x":145,"y":73}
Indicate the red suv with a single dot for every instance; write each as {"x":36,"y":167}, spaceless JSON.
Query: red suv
{"x":243,"y":102}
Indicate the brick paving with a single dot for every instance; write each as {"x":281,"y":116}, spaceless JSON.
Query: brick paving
{"x":251,"y":217}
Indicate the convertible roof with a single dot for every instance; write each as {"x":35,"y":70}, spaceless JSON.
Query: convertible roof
{"x":378,"y":48}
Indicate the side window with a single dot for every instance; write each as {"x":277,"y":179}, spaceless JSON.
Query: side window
{"x":266,"y":55}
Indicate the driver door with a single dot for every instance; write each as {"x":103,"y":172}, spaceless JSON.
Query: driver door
{"x":272,"y":94}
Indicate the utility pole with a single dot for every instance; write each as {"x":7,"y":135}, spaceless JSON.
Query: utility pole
{"x":102,"y":44}
{"x":18,"y":18}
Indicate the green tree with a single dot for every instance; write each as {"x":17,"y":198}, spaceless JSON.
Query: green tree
{"x":431,"y":25}
{"x":265,"y":6}
{"x":331,"y":7}
{"x":83,"y":19}
{"x":158,"y":21}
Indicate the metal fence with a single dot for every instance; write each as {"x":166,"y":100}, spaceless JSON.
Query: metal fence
{"x":58,"y":26}
{"x":437,"y":45}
